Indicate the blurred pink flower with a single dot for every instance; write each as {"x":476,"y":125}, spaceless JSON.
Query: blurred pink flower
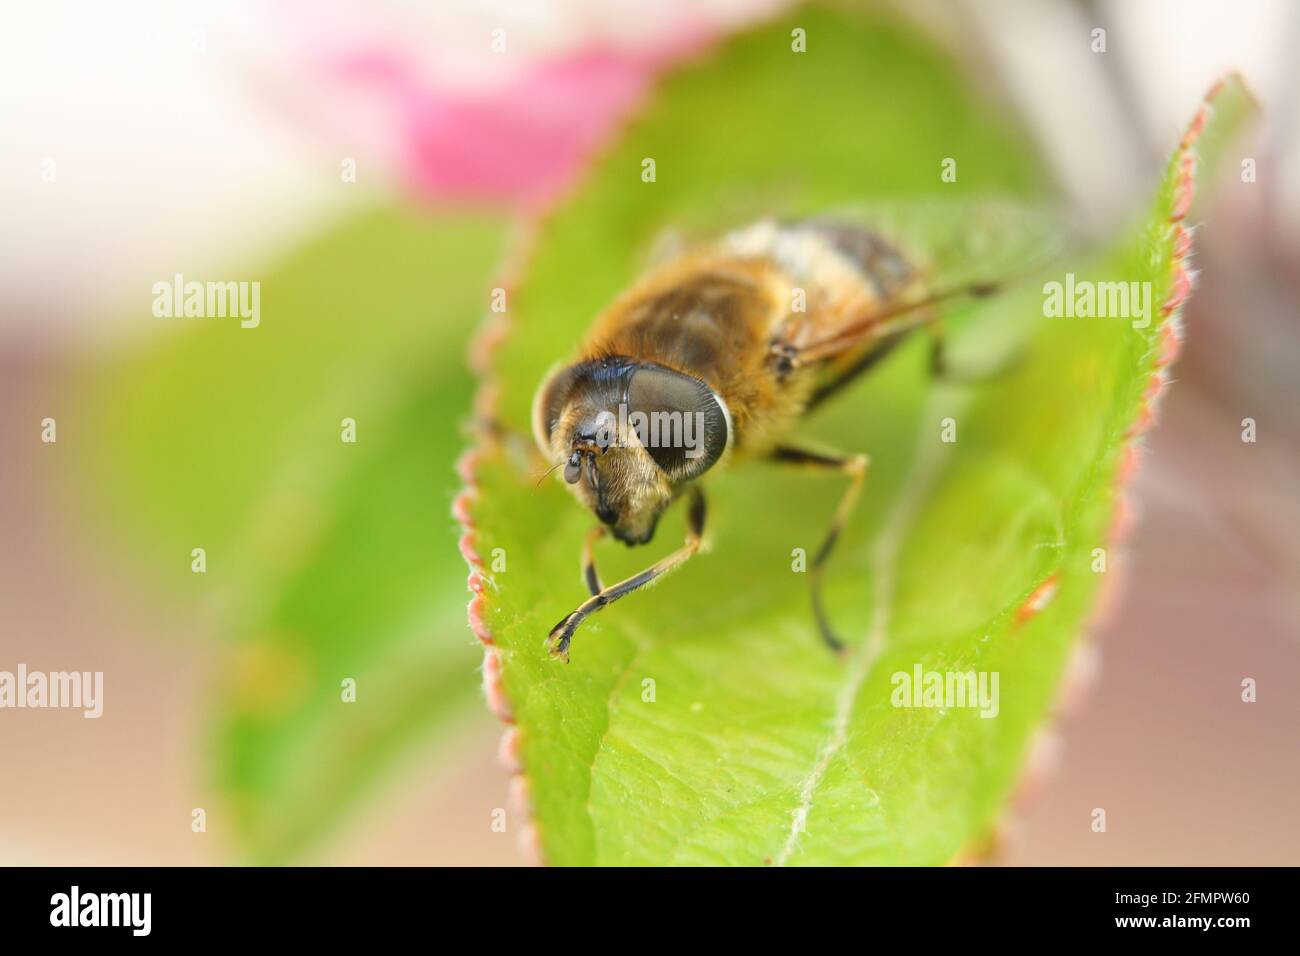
{"x":520,"y":142}
{"x":426,"y":98}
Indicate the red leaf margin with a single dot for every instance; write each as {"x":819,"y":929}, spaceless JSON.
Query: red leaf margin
{"x":1082,"y":669}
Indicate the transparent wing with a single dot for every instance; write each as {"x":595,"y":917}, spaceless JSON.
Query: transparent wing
{"x":956,"y":249}
{"x":960,"y":242}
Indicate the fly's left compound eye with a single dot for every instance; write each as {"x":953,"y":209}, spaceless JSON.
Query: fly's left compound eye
{"x":680,"y":420}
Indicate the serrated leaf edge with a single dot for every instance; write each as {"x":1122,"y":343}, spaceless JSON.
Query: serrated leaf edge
{"x":1081,"y":670}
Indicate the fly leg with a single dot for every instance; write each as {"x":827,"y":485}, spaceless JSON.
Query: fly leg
{"x":590,"y":576}
{"x":855,"y":466}
{"x":942,"y":370}
{"x":558,"y":640}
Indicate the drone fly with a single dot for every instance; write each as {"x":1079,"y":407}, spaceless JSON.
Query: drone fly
{"x":713,"y":356}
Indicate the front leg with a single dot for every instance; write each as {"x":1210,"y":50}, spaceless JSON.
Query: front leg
{"x":856,"y":468}
{"x":558,"y":640}
{"x":590,"y":576}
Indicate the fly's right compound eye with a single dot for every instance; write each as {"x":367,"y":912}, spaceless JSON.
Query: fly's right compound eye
{"x":550,"y":401}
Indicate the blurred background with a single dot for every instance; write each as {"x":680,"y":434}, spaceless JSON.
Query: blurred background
{"x":368,"y":164}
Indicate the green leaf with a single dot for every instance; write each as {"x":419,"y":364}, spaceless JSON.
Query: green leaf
{"x":703,"y":722}
{"x":379,"y":603}
{"x":326,"y":560}
{"x":211,"y":435}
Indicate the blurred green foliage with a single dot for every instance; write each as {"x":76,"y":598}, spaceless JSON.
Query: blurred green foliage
{"x":326,"y":560}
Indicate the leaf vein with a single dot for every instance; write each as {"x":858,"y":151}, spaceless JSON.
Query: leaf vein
{"x":926,"y":467}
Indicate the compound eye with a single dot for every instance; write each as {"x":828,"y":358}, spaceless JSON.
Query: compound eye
{"x":681,"y":422}
{"x":550,"y":400}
